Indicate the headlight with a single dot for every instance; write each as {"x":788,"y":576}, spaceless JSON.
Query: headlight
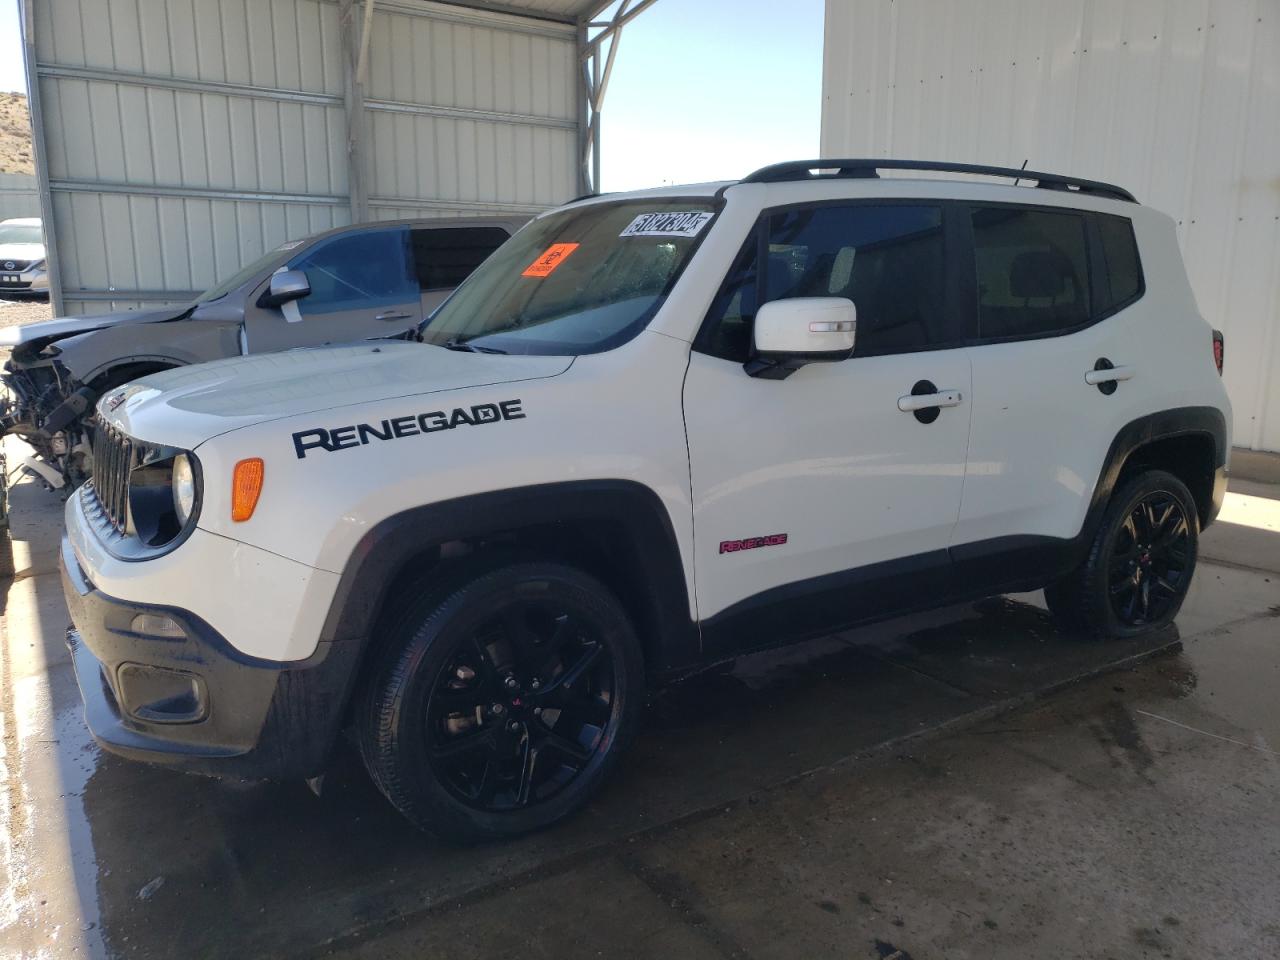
{"x":184,"y":488}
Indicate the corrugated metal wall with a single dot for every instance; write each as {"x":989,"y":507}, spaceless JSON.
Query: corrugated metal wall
{"x":465,"y":115}
{"x":1178,"y":100}
{"x":18,"y":197}
{"x":184,"y":138}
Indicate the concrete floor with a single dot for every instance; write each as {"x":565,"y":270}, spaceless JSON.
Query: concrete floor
{"x":968,"y":783}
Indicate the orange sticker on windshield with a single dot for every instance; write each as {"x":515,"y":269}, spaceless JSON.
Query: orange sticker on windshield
{"x":551,"y":258}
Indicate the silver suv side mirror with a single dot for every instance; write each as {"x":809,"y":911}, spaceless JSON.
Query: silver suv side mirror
{"x":791,"y":333}
{"x":285,"y":286}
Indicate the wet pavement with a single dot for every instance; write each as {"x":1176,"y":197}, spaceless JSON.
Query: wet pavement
{"x":966,"y":783}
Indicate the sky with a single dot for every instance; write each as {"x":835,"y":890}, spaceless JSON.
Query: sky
{"x":12,"y":72}
{"x":701,"y":89}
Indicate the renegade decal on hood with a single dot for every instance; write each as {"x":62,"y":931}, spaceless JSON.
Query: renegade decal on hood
{"x":358,"y":434}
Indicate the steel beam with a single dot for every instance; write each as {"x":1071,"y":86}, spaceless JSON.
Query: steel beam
{"x":197,"y":193}
{"x":187,"y":85}
{"x":593,"y":81}
{"x":468,"y":113}
{"x":533,"y":23}
{"x":353,"y":108}
{"x":38,"y":147}
{"x":162,"y":296}
{"x":293,"y":96}
{"x":477,"y":206}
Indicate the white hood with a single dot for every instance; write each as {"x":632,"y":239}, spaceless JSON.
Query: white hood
{"x":188,"y":405}
{"x":20,"y":251}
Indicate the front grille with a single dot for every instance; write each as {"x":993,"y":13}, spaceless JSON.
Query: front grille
{"x":114,"y":457}
{"x":11,"y":266}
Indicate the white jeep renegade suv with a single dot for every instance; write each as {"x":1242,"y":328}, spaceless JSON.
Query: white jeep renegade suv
{"x":651,"y":432}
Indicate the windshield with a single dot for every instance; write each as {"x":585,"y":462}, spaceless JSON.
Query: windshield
{"x":246,"y":273}
{"x":579,"y":281}
{"x":21,"y":233}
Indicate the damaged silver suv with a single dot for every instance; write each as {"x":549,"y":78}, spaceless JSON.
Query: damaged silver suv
{"x":351,"y":283}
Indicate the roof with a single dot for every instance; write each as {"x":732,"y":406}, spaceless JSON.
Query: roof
{"x":564,"y":11}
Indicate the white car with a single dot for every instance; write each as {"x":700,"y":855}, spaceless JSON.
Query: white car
{"x":653,"y":431}
{"x":22,"y":257}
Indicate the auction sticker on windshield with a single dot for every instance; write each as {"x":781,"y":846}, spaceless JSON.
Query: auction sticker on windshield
{"x":549,"y":259}
{"x":683,"y":223}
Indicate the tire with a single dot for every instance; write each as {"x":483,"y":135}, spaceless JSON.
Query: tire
{"x":500,"y":704}
{"x":1140,"y":564}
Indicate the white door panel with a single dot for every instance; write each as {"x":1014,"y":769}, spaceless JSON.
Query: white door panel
{"x":825,"y":457}
{"x":1041,"y":431}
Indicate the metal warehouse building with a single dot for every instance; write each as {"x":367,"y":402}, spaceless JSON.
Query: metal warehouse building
{"x":1178,"y":100}
{"x":179,"y":139}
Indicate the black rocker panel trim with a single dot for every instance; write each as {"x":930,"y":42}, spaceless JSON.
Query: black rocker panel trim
{"x":819,"y":605}
{"x":968,"y":571}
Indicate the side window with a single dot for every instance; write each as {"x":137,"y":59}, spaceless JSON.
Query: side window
{"x":1033,"y":278}
{"x":1123,"y":280}
{"x":445,"y":256}
{"x":887,"y":259}
{"x":361,"y":270}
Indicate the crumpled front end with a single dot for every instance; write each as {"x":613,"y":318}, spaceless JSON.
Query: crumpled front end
{"x":44,"y":404}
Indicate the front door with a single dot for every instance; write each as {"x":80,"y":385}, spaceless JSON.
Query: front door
{"x":363,"y":285}
{"x":819,"y":499}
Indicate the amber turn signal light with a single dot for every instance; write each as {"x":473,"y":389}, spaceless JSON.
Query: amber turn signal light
{"x":246,"y":485}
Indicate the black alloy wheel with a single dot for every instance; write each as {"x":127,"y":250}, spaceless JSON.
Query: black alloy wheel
{"x":502,"y":699}
{"x":1150,"y":561}
{"x":1140,"y":562}
{"x":518,"y":712}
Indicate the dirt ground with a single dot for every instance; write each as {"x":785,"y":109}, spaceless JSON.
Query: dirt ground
{"x":27,"y":310}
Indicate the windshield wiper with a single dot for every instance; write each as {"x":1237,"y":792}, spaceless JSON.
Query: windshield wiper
{"x":468,"y":347}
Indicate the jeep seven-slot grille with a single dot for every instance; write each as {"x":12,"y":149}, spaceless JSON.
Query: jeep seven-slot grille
{"x":113,"y":455}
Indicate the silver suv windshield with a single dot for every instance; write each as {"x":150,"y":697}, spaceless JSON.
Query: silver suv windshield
{"x":21,"y":233}
{"x":578,"y":281}
{"x":244,"y":274}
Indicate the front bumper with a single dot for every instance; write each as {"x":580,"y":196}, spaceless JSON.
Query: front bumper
{"x":194,"y":701}
{"x":27,"y":281}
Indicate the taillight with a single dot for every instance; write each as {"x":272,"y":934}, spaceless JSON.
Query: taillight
{"x":1219,"y":348}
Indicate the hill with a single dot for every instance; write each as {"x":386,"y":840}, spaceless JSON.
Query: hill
{"x":15,"y":135}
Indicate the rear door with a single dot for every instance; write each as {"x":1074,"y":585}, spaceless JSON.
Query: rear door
{"x":1055,"y":288}
{"x":363,"y":285}
{"x":444,"y":256}
{"x":817,"y":499}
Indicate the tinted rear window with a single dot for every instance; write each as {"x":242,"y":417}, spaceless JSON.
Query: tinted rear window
{"x":1033,"y":274}
{"x":445,"y":256}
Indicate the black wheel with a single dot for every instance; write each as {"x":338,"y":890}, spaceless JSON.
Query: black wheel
{"x":1140,"y":564}
{"x":500,"y":706}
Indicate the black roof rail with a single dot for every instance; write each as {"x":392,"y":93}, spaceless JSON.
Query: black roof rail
{"x":870,"y":167}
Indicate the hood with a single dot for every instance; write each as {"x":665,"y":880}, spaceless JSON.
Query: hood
{"x":21,"y":251}
{"x":188,"y":405}
{"x":47,"y":331}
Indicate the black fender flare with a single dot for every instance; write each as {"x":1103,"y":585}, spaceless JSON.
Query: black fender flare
{"x":1133,"y":436}
{"x":1020,"y":563}
{"x":644,"y":528}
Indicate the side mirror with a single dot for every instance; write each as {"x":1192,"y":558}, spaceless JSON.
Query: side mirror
{"x":285,"y":286}
{"x":795,"y":332}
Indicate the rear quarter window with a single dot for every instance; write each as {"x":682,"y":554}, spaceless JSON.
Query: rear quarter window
{"x":1121,"y":282}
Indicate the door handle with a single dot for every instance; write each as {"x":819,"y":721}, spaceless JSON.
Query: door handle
{"x":1106,"y":376}
{"x":392,"y":315}
{"x":1110,"y":375}
{"x":914,"y":402}
{"x":925,"y":401}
